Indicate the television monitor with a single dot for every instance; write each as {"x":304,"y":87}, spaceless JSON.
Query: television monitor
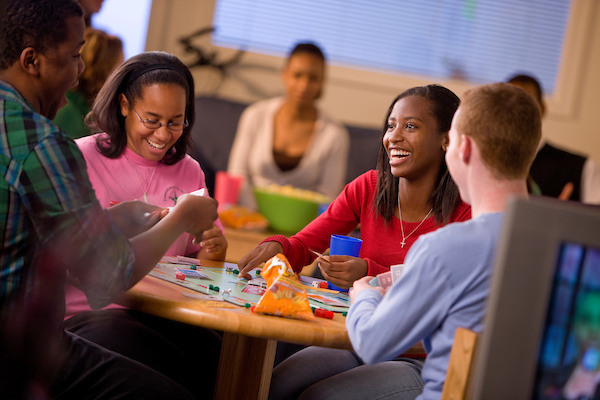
{"x":541,"y":335}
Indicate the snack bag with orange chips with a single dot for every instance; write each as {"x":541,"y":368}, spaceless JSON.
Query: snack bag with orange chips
{"x":285,"y":295}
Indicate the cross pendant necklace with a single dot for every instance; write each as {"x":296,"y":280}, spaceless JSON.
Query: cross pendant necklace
{"x":403,"y":242}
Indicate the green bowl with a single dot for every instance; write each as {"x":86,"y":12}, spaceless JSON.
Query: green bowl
{"x":285,"y":214}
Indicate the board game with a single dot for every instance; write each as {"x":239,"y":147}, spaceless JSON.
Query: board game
{"x":222,"y":284}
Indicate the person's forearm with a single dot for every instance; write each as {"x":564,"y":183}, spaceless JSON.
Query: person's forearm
{"x":150,"y":246}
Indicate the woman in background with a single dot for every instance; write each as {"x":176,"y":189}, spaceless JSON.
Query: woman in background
{"x":101,"y":54}
{"x":288,"y":140}
{"x":146,"y":109}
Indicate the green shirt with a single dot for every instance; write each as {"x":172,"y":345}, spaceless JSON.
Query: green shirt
{"x":70,"y":117}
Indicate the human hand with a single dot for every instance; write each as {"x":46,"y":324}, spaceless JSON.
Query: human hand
{"x":567,"y":191}
{"x":213,"y":243}
{"x":362,"y":284}
{"x":197,"y":213}
{"x":264,"y":252}
{"x":342,"y":271}
{"x":135,"y":217}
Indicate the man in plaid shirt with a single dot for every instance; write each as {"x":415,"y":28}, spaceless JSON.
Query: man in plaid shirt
{"x":52,"y":226}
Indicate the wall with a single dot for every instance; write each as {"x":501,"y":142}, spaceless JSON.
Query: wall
{"x":362,"y":97}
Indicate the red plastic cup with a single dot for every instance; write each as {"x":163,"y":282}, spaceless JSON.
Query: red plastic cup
{"x":227,"y":188}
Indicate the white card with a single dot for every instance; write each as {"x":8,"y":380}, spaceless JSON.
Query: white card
{"x":396,"y":272}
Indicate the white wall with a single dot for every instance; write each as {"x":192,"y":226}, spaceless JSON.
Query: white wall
{"x":362,"y":97}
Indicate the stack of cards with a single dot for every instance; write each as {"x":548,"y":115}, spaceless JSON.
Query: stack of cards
{"x":386,"y":279}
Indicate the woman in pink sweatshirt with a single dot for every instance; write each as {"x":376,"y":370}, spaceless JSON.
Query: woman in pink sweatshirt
{"x":145,"y":111}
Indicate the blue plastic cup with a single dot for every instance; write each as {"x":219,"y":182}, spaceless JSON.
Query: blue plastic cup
{"x":341,"y":245}
{"x":344,"y":246}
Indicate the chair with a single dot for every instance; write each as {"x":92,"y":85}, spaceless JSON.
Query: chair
{"x":459,"y":366}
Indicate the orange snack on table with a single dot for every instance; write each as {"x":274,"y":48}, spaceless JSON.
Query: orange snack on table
{"x":242,"y":218}
{"x":285,"y":295}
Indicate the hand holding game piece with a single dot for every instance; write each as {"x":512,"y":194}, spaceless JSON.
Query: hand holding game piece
{"x":260,"y":254}
{"x":342,"y":271}
{"x":196,"y":213}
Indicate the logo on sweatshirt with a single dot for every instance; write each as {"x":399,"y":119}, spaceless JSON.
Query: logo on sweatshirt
{"x":172,"y":193}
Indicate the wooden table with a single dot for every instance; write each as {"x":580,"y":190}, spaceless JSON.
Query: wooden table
{"x":249,"y":340}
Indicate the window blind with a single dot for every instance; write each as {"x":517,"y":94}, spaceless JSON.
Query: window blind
{"x":481,"y":41}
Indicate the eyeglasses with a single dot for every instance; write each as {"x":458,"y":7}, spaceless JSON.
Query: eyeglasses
{"x":152,"y":124}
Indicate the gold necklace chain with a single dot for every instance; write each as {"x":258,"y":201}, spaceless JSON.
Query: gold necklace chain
{"x":402,"y":226}
{"x":139,"y":181}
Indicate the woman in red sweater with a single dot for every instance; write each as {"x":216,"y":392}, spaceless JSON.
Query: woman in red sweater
{"x":411,"y":193}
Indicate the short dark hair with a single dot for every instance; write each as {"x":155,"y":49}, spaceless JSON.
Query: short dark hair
{"x":307,"y":48}
{"x":106,"y":111}
{"x":40,"y":24}
{"x":445,"y":197}
{"x":528,"y":79}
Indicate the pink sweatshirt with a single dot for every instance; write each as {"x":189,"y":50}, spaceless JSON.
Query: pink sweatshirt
{"x":127,"y":178}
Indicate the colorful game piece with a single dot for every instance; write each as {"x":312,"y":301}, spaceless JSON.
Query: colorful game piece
{"x":211,"y":287}
{"x":216,"y":288}
{"x":345,"y":313}
{"x":315,"y":284}
{"x":321,"y":312}
{"x":236,"y":272}
{"x":193,"y":267}
{"x":229,"y":269}
{"x":180,"y":275}
{"x":258,"y":272}
{"x":247,"y":305}
{"x":323,"y":285}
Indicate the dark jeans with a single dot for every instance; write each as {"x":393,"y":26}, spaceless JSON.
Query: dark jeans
{"x":334,"y":374}
{"x":93,"y":372}
{"x":187,"y":354}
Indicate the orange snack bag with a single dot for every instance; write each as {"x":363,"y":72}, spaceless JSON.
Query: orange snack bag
{"x":285,"y":295}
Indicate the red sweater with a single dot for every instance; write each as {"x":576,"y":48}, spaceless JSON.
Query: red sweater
{"x":381,"y":243}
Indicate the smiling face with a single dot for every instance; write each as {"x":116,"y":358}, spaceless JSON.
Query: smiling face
{"x":303,"y":78}
{"x":412,"y":141}
{"x":159,"y":102}
{"x":59,"y":69}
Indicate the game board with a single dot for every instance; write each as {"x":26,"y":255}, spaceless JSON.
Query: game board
{"x":223,"y":285}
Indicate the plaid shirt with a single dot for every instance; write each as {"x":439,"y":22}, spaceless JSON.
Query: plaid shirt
{"x":50,"y":219}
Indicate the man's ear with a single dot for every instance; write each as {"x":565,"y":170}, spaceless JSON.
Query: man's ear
{"x":465,"y":148}
{"x":29,"y":61}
